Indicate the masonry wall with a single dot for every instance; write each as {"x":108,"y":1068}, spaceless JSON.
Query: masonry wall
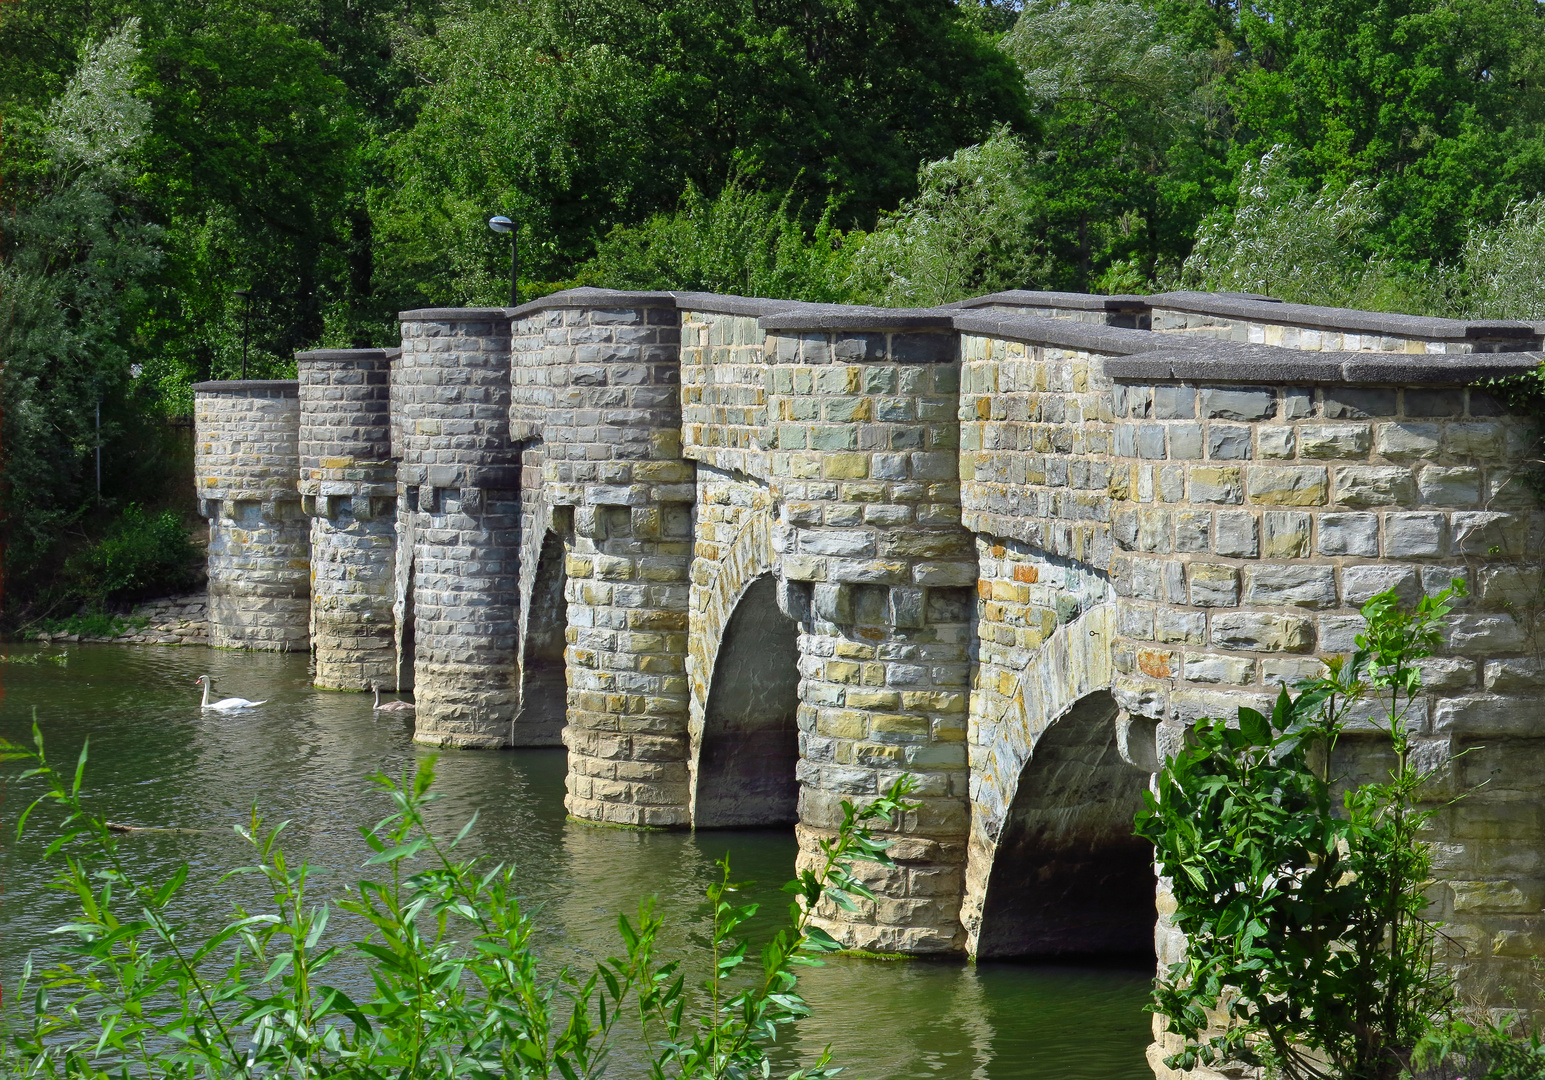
{"x":1277,"y":512}
{"x":1012,"y":549}
{"x":348,"y":487}
{"x":599,"y":387}
{"x":458,"y":486}
{"x":246,"y":469}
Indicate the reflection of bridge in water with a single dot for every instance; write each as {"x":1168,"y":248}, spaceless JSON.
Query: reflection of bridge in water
{"x":782,"y":553}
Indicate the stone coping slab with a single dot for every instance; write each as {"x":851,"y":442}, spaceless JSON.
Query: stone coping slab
{"x":1423,"y":327}
{"x":715,"y":303}
{"x":723,"y":304}
{"x":453,"y":314}
{"x":243,"y":386}
{"x":1063,"y":333}
{"x":1265,"y":363}
{"x":344,"y":354}
{"x":1068,"y":300}
{"x":839,"y":317}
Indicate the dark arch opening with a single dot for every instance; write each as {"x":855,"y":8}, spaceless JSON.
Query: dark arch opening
{"x":750,"y":747}
{"x":544,"y":684}
{"x":1069,"y":878}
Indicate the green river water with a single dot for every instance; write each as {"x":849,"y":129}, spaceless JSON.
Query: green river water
{"x":156,"y":760}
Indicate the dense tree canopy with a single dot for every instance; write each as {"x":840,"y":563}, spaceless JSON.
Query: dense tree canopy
{"x":338,"y":158}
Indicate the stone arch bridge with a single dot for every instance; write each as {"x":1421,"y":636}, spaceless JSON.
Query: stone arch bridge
{"x":746,"y":559}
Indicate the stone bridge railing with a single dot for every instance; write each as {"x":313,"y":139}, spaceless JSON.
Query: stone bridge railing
{"x":782,"y":553}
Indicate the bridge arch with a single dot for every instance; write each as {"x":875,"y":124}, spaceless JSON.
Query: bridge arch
{"x":543,"y":616}
{"x":746,"y":756}
{"x":1066,"y":681}
{"x":1067,"y":875}
{"x":744,"y":674}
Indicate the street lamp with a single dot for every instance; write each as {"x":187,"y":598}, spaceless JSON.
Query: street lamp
{"x":501,"y":224}
{"x":246,"y":327}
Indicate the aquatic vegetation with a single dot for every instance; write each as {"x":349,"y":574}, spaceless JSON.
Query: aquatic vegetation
{"x":458,"y":989}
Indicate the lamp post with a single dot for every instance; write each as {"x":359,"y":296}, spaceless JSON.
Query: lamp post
{"x":246,"y":326}
{"x":501,"y":224}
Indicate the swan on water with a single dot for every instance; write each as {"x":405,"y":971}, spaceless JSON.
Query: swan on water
{"x":230,"y":704}
{"x":390,"y":706}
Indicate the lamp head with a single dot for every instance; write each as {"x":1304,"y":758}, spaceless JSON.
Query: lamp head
{"x":501,"y":224}
{"x":245,"y":294}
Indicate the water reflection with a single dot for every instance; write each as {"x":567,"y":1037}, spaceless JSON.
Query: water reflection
{"x":156,"y":760}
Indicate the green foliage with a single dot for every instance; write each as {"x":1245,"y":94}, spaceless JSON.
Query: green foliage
{"x":1480,"y":1051}
{"x":742,"y":242}
{"x":1303,"y":918}
{"x":141,"y":554}
{"x":970,"y":230}
{"x":1287,"y":240}
{"x":1130,"y":157}
{"x":457,"y":989}
{"x":1437,"y":105}
{"x":578,"y":118}
{"x":72,"y":281}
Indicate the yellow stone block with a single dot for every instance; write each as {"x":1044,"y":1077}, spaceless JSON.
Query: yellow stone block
{"x":870,"y":699}
{"x":898,"y":724}
{"x":842,"y":724}
{"x":840,"y":671}
{"x":839,"y":466}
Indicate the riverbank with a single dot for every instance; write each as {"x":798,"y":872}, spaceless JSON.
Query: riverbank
{"x":171,"y":620}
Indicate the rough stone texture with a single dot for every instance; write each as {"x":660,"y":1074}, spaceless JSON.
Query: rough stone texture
{"x":246,"y":471}
{"x":348,"y":485}
{"x":171,"y":620}
{"x":1012,"y":555}
{"x":830,"y":459}
{"x":598,"y":387}
{"x":1262,"y":321}
{"x":458,"y":485}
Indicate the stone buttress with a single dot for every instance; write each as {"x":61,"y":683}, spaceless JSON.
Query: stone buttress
{"x":596,"y":403}
{"x":458,"y":489}
{"x":878,"y":573}
{"x":246,"y":468}
{"x":348,"y":486}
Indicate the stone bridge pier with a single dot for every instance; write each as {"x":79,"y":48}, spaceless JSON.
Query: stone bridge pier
{"x":348,"y":487}
{"x":458,"y":520}
{"x":747,"y":559}
{"x":247,"y":472}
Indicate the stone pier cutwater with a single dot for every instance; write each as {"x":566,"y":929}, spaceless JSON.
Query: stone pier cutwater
{"x":348,"y":487}
{"x":247,"y":475}
{"x":775,"y":555}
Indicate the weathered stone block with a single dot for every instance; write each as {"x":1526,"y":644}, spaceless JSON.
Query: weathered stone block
{"x":1251,"y":631}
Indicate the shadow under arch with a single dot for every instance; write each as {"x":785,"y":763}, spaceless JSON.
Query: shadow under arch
{"x":749,"y":751}
{"x":543,"y":683}
{"x":1068,"y":876}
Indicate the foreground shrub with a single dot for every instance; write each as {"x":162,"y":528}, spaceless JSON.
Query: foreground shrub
{"x":457,"y":986}
{"x":1302,"y":911}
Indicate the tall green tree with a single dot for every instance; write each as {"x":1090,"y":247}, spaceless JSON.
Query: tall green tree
{"x":1129,"y":158}
{"x":75,"y":263}
{"x":577,"y":116}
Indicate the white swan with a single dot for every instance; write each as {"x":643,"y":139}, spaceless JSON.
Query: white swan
{"x":230,"y":704}
{"x":390,"y":706}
